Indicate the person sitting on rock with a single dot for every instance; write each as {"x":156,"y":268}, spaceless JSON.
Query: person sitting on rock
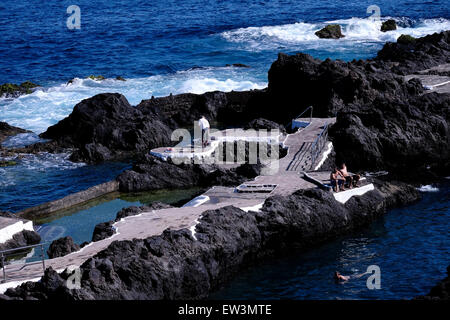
{"x":350,"y":181}
{"x":337,"y":180}
{"x":204,"y":125}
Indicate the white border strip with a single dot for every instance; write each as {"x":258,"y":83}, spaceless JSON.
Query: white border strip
{"x":344,"y":196}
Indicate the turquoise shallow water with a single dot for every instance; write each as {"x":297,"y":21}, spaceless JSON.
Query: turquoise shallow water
{"x":79,"y":222}
{"x":411,"y":245}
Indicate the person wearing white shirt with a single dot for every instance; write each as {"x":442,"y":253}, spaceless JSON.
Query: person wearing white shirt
{"x":204,"y":125}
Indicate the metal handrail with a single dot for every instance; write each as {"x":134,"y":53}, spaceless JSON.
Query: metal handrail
{"x":2,"y":256}
{"x":300,"y":115}
{"x":318,"y":145}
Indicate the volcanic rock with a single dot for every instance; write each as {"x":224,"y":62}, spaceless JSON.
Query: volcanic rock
{"x":11,"y":90}
{"x":389,"y":25}
{"x":264,"y":124}
{"x":103,"y":230}
{"x":61,"y":247}
{"x":6,"y":130}
{"x":21,"y":239}
{"x":106,"y":126}
{"x":331,"y":31}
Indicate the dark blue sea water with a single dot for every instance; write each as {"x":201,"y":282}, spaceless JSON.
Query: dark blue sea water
{"x":411,"y":246}
{"x":164,"y":47}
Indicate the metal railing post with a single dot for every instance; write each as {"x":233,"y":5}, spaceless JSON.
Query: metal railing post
{"x":318,"y":145}
{"x":43,"y":256}
{"x":3,"y":267}
{"x":301,"y":114}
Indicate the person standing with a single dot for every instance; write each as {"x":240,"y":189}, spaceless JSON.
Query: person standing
{"x":204,"y":125}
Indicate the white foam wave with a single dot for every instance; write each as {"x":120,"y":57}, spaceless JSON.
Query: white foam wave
{"x":428,"y":188}
{"x":45,"y":160}
{"x":45,"y":107}
{"x":27,"y":164}
{"x":354,"y":29}
{"x":22,"y":140}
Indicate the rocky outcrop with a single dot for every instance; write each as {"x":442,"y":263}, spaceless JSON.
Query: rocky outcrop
{"x":11,"y":90}
{"x":420,"y":54}
{"x":401,"y":136}
{"x":61,"y":247}
{"x":6,"y":131}
{"x":441,"y":291}
{"x":388,"y":25}
{"x":383,"y":122}
{"x":21,"y":239}
{"x":331,"y":31}
{"x":183,"y":109}
{"x":153,"y":174}
{"x":264,"y":124}
{"x":107,"y":127}
{"x":103,"y":230}
{"x":175,"y":266}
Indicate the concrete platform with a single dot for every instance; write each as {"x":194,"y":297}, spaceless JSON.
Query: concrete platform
{"x":10,"y":226}
{"x":435,"y":79}
{"x":196,"y":151}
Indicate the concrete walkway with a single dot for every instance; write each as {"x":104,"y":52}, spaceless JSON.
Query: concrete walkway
{"x":435,"y":79}
{"x":286,"y":178}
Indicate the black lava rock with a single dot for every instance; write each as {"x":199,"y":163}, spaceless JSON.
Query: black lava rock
{"x":21,"y":239}
{"x":107,"y":127}
{"x":389,"y":25}
{"x":6,"y":130}
{"x":61,"y":247}
{"x":153,"y":174}
{"x":264,"y":124}
{"x":331,"y":31}
{"x":103,"y":230}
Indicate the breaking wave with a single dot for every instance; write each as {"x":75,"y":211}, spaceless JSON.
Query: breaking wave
{"x":428,"y":188}
{"x":355,"y":30}
{"x":46,"y":106}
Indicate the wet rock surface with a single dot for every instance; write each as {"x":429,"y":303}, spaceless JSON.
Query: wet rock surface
{"x":388,"y":25}
{"x":61,"y":247}
{"x":331,"y":31}
{"x":7,"y":130}
{"x":12,"y":90}
{"x":175,"y":266}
